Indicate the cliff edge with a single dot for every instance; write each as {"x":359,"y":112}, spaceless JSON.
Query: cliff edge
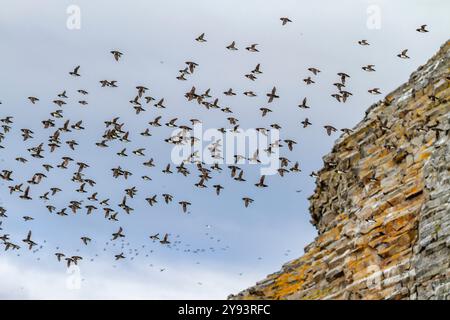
{"x":381,"y":204}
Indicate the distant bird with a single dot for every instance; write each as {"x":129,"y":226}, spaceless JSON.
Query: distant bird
{"x":284,"y":20}
{"x":184,"y":205}
{"x":261,"y":184}
{"x":330,"y":129}
{"x":337,"y":96}
{"x":151,"y":200}
{"x":119,"y":256}
{"x":343,"y":76}
{"x":160,"y":104}
{"x":118,"y":234}
{"x":201,"y":38}
{"x":165,"y":240}
{"x":252,"y":48}
{"x":64,"y":133}
{"x":346,"y":130}
{"x":229,"y":92}
{"x":75,"y":72}
{"x":306,"y":123}
{"x":117,"y":54}
{"x":363,"y":42}
{"x":86,"y":240}
{"x":167,"y":198}
{"x":296,"y":167}
{"x":265,"y":111}
{"x":308,"y":80}
{"x":257,"y":69}
{"x":155,"y":236}
{"x":29,"y":242}
{"x":315,"y":71}
{"x":218,"y":187}
{"x":272,"y":95}
{"x":290,"y":144}
{"x":247,"y":201}
{"x":303,"y":105}
{"x":369,"y":68}
{"x":374,"y":91}
{"x":167,"y":169}
{"x":422,"y":29}
{"x":232,"y":46}
{"x":59,"y":255}
{"x":191,"y":65}
{"x":403,"y":54}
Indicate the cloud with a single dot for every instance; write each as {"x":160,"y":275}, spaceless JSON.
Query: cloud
{"x":101,"y":281}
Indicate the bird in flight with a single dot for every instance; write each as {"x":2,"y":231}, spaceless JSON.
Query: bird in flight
{"x":374,"y":91}
{"x":261,"y":184}
{"x":363,"y":42}
{"x":201,"y":38}
{"x":285,"y":20}
{"x":232,"y":46}
{"x":252,"y":48}
{"x":118,"y":234}
{"x":403,"y":54}
{"x":272,"y":95}
{"x":303,"y":105}
{"x":86,"y":240}
{"x":247,"y":201}
{"x":75,"y":72}
{"x":165,"y":240}
{"x":29,"y":242}
{"x":315,"y":71}
{"x":422,"y":29}
{"x":33,"y":99}
{"x":184,"y":205}
{"x":369,"y":68}
{"x":218,"y":187}
{"x":155,"y":236}
{"x":306,"y":123}
{"x":117,"y":54}
{"x":330,"y":129}
{"x":119,"y":256}
{"x":59,"y":135}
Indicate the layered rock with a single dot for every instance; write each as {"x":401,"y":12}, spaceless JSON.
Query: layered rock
{"x":381,"y":204}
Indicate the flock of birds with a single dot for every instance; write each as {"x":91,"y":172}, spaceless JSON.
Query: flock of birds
{"x":91,"y":201}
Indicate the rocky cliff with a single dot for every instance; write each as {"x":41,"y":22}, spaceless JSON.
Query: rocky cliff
{"x":381,"y":204}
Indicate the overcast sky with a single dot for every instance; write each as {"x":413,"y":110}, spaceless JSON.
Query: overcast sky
{"x":241,"y":245}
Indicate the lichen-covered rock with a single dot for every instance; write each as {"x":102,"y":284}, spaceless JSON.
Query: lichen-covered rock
{"x":381,"y":204}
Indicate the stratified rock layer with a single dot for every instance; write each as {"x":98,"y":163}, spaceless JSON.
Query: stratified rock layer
{"x":381,"y":204}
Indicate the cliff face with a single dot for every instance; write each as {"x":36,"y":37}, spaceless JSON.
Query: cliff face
{"x":381,"y":204}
